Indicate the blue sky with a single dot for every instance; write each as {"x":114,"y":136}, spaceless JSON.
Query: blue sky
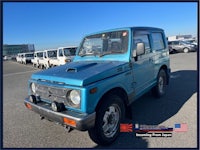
{"x":54,"y":24}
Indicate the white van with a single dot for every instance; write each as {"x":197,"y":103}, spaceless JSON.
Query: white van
{"x":26,"y":58}
{"x":47,"y":55}
{"x":64,"y":55}
{"x":37,"y":55}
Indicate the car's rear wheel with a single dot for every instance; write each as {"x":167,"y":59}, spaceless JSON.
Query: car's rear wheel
{"x":160,"y":88}
{"x":186,"y":50}
{"x":107,"y":125}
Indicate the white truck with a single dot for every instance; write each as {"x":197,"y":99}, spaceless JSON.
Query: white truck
{"x":37,"y":55}
{"x":47,"y":55}
{"x":64,"y":55}
{"x":26,"y":57}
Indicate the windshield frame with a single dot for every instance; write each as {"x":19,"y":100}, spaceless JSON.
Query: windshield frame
{"x":121,"y":37}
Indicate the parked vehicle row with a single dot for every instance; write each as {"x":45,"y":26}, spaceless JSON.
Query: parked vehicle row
{"x":24,"y":58}
{"x":48,"y":58}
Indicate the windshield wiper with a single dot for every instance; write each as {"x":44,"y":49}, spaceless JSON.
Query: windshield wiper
{"x":89,"y":54}
{"x":110,"y":52}
{"x":82,"y":55}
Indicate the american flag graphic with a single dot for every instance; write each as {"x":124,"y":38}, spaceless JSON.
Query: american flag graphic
{"x":180,"y":127}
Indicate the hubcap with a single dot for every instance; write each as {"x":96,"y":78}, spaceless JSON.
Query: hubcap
{"x":111,"y":120}
{"x":185,"y":50}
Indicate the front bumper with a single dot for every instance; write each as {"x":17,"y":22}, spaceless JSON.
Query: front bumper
{"x":83,"y":121}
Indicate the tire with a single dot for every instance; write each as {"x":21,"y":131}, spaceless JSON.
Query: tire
{"x":160,"y":88}
{"x":186,"y":50}
{"x":108,"y":117}
{"x":46,"y":67}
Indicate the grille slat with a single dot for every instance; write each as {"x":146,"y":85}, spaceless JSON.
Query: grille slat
{"x":51,"y":93}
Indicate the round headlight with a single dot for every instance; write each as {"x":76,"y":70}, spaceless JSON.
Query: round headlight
{"x":33,"y":87}
{"x":74,"y":97}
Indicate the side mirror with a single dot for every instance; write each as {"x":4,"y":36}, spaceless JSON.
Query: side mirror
{"x":140,"y":49}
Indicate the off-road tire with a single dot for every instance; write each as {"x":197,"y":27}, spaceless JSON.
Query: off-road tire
{"x":160,"y":88}
{"x":112,"y":111}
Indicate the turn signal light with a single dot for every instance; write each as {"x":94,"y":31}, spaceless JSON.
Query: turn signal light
{"x":94,"y":90}
{"x":69,"y":122}
{"x":28,"y":106}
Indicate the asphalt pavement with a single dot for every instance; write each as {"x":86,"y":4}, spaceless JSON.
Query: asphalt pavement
{"x":23,"y":128}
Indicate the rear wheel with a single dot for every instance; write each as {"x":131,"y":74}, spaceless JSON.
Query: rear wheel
{"x":160,"y":88}
{"x":107,"y":125}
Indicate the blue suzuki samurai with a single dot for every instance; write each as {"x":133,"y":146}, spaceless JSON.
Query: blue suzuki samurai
{"x":111,"y":69}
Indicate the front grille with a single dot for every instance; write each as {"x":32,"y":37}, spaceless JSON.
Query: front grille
{"x":51,"y":93}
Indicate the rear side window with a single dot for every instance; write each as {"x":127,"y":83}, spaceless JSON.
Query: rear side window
{"x":158,"y":42}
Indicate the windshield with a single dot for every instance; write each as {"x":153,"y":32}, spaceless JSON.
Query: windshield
{"x":69,"y":51}
{"x":51,"y":53}
{"x":40,"y":54}
{"x":105,"y":43}
{"x":28,"y":55}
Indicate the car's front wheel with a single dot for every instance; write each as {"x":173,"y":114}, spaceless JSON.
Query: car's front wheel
{"x":186,"y":50}
{"x":107,"y":125}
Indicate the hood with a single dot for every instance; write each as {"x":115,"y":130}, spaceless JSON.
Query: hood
{"x":82,"y":73}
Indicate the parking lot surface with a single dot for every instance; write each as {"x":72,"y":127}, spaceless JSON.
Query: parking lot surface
{"x":23,"y":128}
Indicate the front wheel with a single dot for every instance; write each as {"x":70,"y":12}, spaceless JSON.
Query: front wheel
{"x":160,"y":88}
{"x":107,"y":125}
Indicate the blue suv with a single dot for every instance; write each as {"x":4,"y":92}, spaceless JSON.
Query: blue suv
{"x":111,"y":69}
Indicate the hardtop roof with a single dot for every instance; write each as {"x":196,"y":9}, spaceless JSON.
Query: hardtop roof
{"x":128,"y":28}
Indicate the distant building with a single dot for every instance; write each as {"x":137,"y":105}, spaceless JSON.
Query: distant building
{"x":11,"y":50}
{"x":179,"y":37}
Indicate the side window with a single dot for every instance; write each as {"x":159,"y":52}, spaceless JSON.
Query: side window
{"x":176,"y":43}
{"x":142,"y":38}
{"x":60,"y":52}
{"x":158,"y":42}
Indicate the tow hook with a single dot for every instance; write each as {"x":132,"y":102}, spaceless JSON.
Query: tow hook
{"x":67,"y":128}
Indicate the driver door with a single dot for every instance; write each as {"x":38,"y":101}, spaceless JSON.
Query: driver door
{"x":142,"y":65}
